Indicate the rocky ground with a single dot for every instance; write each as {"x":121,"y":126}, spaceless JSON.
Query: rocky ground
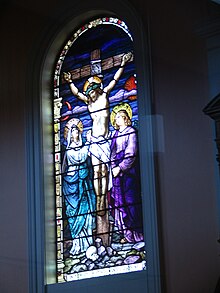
{"x":98,"y":256}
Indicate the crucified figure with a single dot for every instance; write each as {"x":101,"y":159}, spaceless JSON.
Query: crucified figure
{"x":96,"y":97}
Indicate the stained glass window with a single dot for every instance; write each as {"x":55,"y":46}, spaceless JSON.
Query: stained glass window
{"x":99,"y":223}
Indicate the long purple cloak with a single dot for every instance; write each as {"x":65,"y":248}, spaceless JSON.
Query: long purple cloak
{"x":125,"y":197}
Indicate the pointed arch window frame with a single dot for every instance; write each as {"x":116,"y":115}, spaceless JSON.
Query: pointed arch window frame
{"x":40,"y":145}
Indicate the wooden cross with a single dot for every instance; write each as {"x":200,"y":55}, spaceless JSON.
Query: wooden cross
{"x":96,"y":66}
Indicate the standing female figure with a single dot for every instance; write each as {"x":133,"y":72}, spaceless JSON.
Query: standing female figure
{"x":125,"y":198}
{"x":78,"y":190}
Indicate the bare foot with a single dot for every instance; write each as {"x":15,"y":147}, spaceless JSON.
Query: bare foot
{"x":123,"y":240}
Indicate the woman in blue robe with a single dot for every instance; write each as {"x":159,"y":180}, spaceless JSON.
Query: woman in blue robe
{"x":78,"y":190}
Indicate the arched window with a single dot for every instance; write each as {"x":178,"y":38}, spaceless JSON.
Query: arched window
{"x":86,"y":203}
{"x":97,"y":170}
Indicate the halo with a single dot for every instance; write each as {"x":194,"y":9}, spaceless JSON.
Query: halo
{"x":122,"y":106}
{"x":92,"y":80}
{"x":74,"y":121}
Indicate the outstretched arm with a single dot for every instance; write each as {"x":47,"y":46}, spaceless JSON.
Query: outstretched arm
{"x":124,"y":60}
{"x":74,"y":89}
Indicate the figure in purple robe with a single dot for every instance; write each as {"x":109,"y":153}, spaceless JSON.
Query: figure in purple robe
{"x":125,"y":196}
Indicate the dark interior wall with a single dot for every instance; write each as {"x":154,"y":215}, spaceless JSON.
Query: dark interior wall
{"x":185,"y":167}
{"x":13,"y":208}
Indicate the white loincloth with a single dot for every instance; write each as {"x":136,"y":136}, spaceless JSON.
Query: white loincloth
{"x":100,"y":149}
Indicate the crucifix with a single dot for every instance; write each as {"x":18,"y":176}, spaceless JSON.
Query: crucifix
{"x":97,"y":99}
